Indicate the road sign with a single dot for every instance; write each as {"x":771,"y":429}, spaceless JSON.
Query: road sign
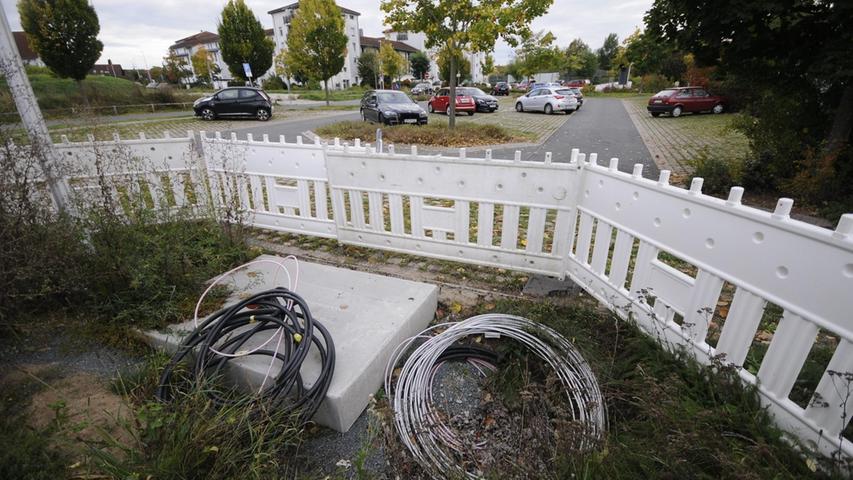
{"x":247,"y":70}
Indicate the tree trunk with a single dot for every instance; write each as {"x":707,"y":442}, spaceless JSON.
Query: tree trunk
{"x":451,"y":122}
{"x":83,"y":94}
{"x":842,"y":123}
{"x":326,"y":81}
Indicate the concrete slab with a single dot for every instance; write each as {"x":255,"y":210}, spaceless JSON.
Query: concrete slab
{"x":367,"y":316}
{"x":542,"y":286}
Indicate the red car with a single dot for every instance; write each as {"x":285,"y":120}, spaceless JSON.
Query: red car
{"x":676,"y":101}
{"x":440,"y":102}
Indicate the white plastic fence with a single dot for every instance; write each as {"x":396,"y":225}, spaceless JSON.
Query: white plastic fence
{"x":659,"y":254}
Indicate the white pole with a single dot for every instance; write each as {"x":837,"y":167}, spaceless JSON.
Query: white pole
{"x":25,"y":101}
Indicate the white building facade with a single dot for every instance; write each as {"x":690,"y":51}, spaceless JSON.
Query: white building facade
{"x":185,"y":48}
{"x":348,"y":76}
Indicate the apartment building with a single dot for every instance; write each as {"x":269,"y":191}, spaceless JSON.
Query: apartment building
{"x":348,"y":76}
{"x":186,"y":47}
{"x":417,"y":40}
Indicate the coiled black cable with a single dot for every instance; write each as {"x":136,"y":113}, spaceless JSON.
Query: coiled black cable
{"x":220,"y":338}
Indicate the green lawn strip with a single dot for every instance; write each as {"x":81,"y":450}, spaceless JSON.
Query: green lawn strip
{"x":465,"y":135}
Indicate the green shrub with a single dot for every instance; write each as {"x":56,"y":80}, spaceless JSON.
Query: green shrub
{"x":653,"y":83}
{"x":274,"y":83}
{"x":719,"y":172}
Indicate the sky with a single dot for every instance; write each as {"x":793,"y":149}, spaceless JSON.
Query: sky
{"x":138,"y":34}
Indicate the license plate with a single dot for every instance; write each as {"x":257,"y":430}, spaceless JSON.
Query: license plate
{"x":658,"y":101}
{"x":410,"y":120}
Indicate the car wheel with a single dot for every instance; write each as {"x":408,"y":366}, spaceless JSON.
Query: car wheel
{"x":363,"y":117}
{"x":262,"y":114}
{"x":208,"y":114}
{"x":471,"y":113}
{"x":718,"y":108}
{"x":381,"y":119}
{"x":447,"y":111}
{"x":519,"y":107}
{"x":549,"y":109}
{"x":429,"y":107}
{"x":676,"y":112}
{"x":655,"y":114}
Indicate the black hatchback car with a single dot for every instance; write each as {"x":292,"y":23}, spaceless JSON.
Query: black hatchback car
{"x":483,"y":101}
{"x":235,"y":102}
{"x":500,"y":88}
{"x":391,"y":107}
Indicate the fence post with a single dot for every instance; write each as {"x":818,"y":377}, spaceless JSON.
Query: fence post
{"x":152,"y":108}
{"x":115,"y":110}
{"x":31,"y":116}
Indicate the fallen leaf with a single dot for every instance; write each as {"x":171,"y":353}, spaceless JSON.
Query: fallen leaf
{"x":456,"y":307}
{"x":489,"y":306}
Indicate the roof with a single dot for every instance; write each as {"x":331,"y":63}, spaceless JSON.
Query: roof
{"x":296,"y":5}
{"x":375,"y":42}
{"x":24,"y":48}
{"x":198,"y":38}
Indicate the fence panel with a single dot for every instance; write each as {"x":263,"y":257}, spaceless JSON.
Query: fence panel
{"x":282,"y":185}
{"x":694,"y":253}
{"x":489,"y":212}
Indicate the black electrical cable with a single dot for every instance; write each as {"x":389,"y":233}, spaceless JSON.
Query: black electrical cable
{"x":225,"y":332}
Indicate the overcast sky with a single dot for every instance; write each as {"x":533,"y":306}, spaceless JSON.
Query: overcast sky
{"x":139,"y":33}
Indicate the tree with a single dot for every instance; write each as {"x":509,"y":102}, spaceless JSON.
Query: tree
{"x":156,"y":73}
{"x":488,"y":65}
{"x":204,"y":64}
{"x":175,"y":69}
{"x":607,"y":51}
{"x":460,"y":26}
{"x":420,"y":64}
{"x":368,"y":68}
{"x":391,"y":63}
{"x":580,"y":60}
{"x":316,"y":41}
{"x":65,"y":35}
{"x":463,"y":65}
{"x":287,"y":71}
{"x":242,"y":40}
{"x":772,"y":45}
{"x":537,"y":54}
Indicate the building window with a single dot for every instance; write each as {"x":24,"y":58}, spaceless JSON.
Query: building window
{"x":402,"y":36}
{"x":345,"y":68}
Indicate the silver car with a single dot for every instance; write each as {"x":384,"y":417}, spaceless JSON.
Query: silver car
{"x":548,"y":100}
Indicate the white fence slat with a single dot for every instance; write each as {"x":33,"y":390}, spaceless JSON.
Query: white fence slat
{"x":462,"y":215}
{"x":584,"y":239}
{"x":700,"y":308}
{"x":622,"y":253}
{"x":643,"y":267}
{"x":304,"y":198}
{"x":741,"y":323}
{"x":509,"y":227}
{"x":395,"y":205}
{"x":562,"y":234}
{"x":321,"y":206}
{"x":356,"y":206}
{"x":485,"y":223}
{"x":339,"y":211}
{"x":374,"y":209}
{"x":831,"y":404}
{"x":416,"y":206}
{"x":601,"y":248}
{"x":535,"y":230}
{"x":257,"y":194}
{"x":788,"y":350}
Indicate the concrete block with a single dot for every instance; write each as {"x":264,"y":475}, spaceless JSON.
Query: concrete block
{"x":367,"y":316}
{"x":542,"y":286}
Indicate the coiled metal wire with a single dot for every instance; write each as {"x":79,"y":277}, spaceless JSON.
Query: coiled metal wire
{"x":421,"y":427}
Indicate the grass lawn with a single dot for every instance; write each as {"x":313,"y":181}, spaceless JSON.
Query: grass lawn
{"x":349,"y":94}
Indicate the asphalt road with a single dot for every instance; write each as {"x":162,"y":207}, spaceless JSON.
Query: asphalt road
{"x":602,"y":126}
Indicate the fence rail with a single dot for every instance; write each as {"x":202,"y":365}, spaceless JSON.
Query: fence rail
{"x":658,"y":254}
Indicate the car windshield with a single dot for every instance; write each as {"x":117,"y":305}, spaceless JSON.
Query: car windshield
{"x":664,"y":93}
{"x":471,"y":92}
{"x":565,"y":91}
{"x":393,"y":97}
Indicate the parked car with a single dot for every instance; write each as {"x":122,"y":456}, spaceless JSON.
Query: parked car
{"x":483,"y":102}
{"x":676,"y":101}
{"x":391,"y":107}
{"x":534,"y":85}
{"x":424,"y":88}
{"x":548,"y":100}
{"x":440,"y":102}
{"x":235,"y":102}
{"x":500,"y":88}
{"x":522,"y":85}
{"x":577,"y":93}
